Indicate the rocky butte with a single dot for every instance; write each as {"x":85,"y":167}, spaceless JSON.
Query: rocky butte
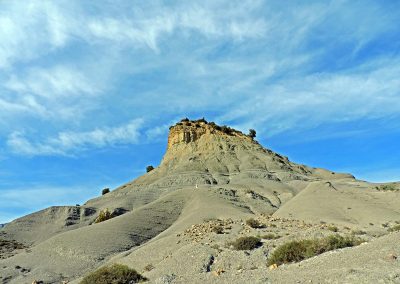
{"x":220,"y":208}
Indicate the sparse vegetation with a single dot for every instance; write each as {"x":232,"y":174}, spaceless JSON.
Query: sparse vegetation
{"x":387,"y":187}
{"x":252,"y":133}
{"x":270,"y":236}
{"x":295,"y":251}
{"x":114,"y":274}
{"x":7,"y":245}
{"x":105,"y":191}
{"x":333,"y":228}
{"x":246,"y":243}
{"x":254,"y":223}
{"x":395,"y":228}
{"x":149,"y":267}
{"x":149,"y":168}
{"x":226,"y":129}
{"x":358,"y":232}
{"x":104,"y":215}
{"x":201,"y":120}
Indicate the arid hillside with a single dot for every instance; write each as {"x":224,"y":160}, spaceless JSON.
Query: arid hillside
{"x":190,"y":220}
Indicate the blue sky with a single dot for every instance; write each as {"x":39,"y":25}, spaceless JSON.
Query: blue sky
{"x":89,"y":88}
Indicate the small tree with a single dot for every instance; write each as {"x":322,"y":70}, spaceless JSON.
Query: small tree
{"x":252,"y":133}
{"x":149,"y":168}
{"x":105,"y":191}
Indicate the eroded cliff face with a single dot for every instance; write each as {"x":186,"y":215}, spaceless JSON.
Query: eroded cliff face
{"x":187,"y":131}
{"x":201,"y":152}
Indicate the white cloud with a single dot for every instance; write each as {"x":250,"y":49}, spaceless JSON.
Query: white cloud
{"x":59,"y":93}
{"x":58,"y":81}
{"x":247,"y":61}
{"x":368,"y":92}
{"x":30,"y":30}
{"x":67,"y":142}
{"x":147,"y":27}
{"x":144,"y":32}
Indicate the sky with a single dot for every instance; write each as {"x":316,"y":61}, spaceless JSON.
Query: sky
{"x":88,"y":89}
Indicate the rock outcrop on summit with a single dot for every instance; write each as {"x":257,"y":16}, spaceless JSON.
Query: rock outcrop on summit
{"x":175,"y":223}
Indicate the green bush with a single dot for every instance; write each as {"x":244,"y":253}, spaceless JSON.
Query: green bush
{"x":104,"y":215}
{"x":105,"y":191}
{"x":115,"y":274}
{"x":246,"y":243}
{"x":395,"y":228}
{"x":270,"y":236}
{"x":149,"y":168}
{"x":333,"y":228}
{"x":295,"y":251}
{"x":387,"y":187}
{"x":254,"y":223}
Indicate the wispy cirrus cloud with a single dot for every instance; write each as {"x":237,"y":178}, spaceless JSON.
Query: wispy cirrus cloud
{"x":71,"y":61}
{"x":69,"y":142}
{"x":51,"y":83}
{"x":368,"y":92}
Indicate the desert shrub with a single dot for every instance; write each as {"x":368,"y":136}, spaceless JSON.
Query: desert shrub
{"x":104,"y":215}
{"x":387,"y":187}
{"x":254,"y":223}
{"x":149,"y":267}
{"x":226,"y":129}
{"x":270,"y":236}
{"x":211,"y":219}
{"x":114,"y":274}
{"x":201,"y":120}
{"x":10,"y":245}
{"x":185,"y":119}
{"x":149,"y":168}
{"x":358,"y":232}
{"x":252,"y":133}
{"x":105,"y":191}
{"x":295,"y":251}
{"x":395,"y":228}
{"x":246,"y":243}
{"x":332,"y":228}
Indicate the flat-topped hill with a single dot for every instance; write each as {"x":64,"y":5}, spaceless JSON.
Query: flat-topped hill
{"x":176,"y":223}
